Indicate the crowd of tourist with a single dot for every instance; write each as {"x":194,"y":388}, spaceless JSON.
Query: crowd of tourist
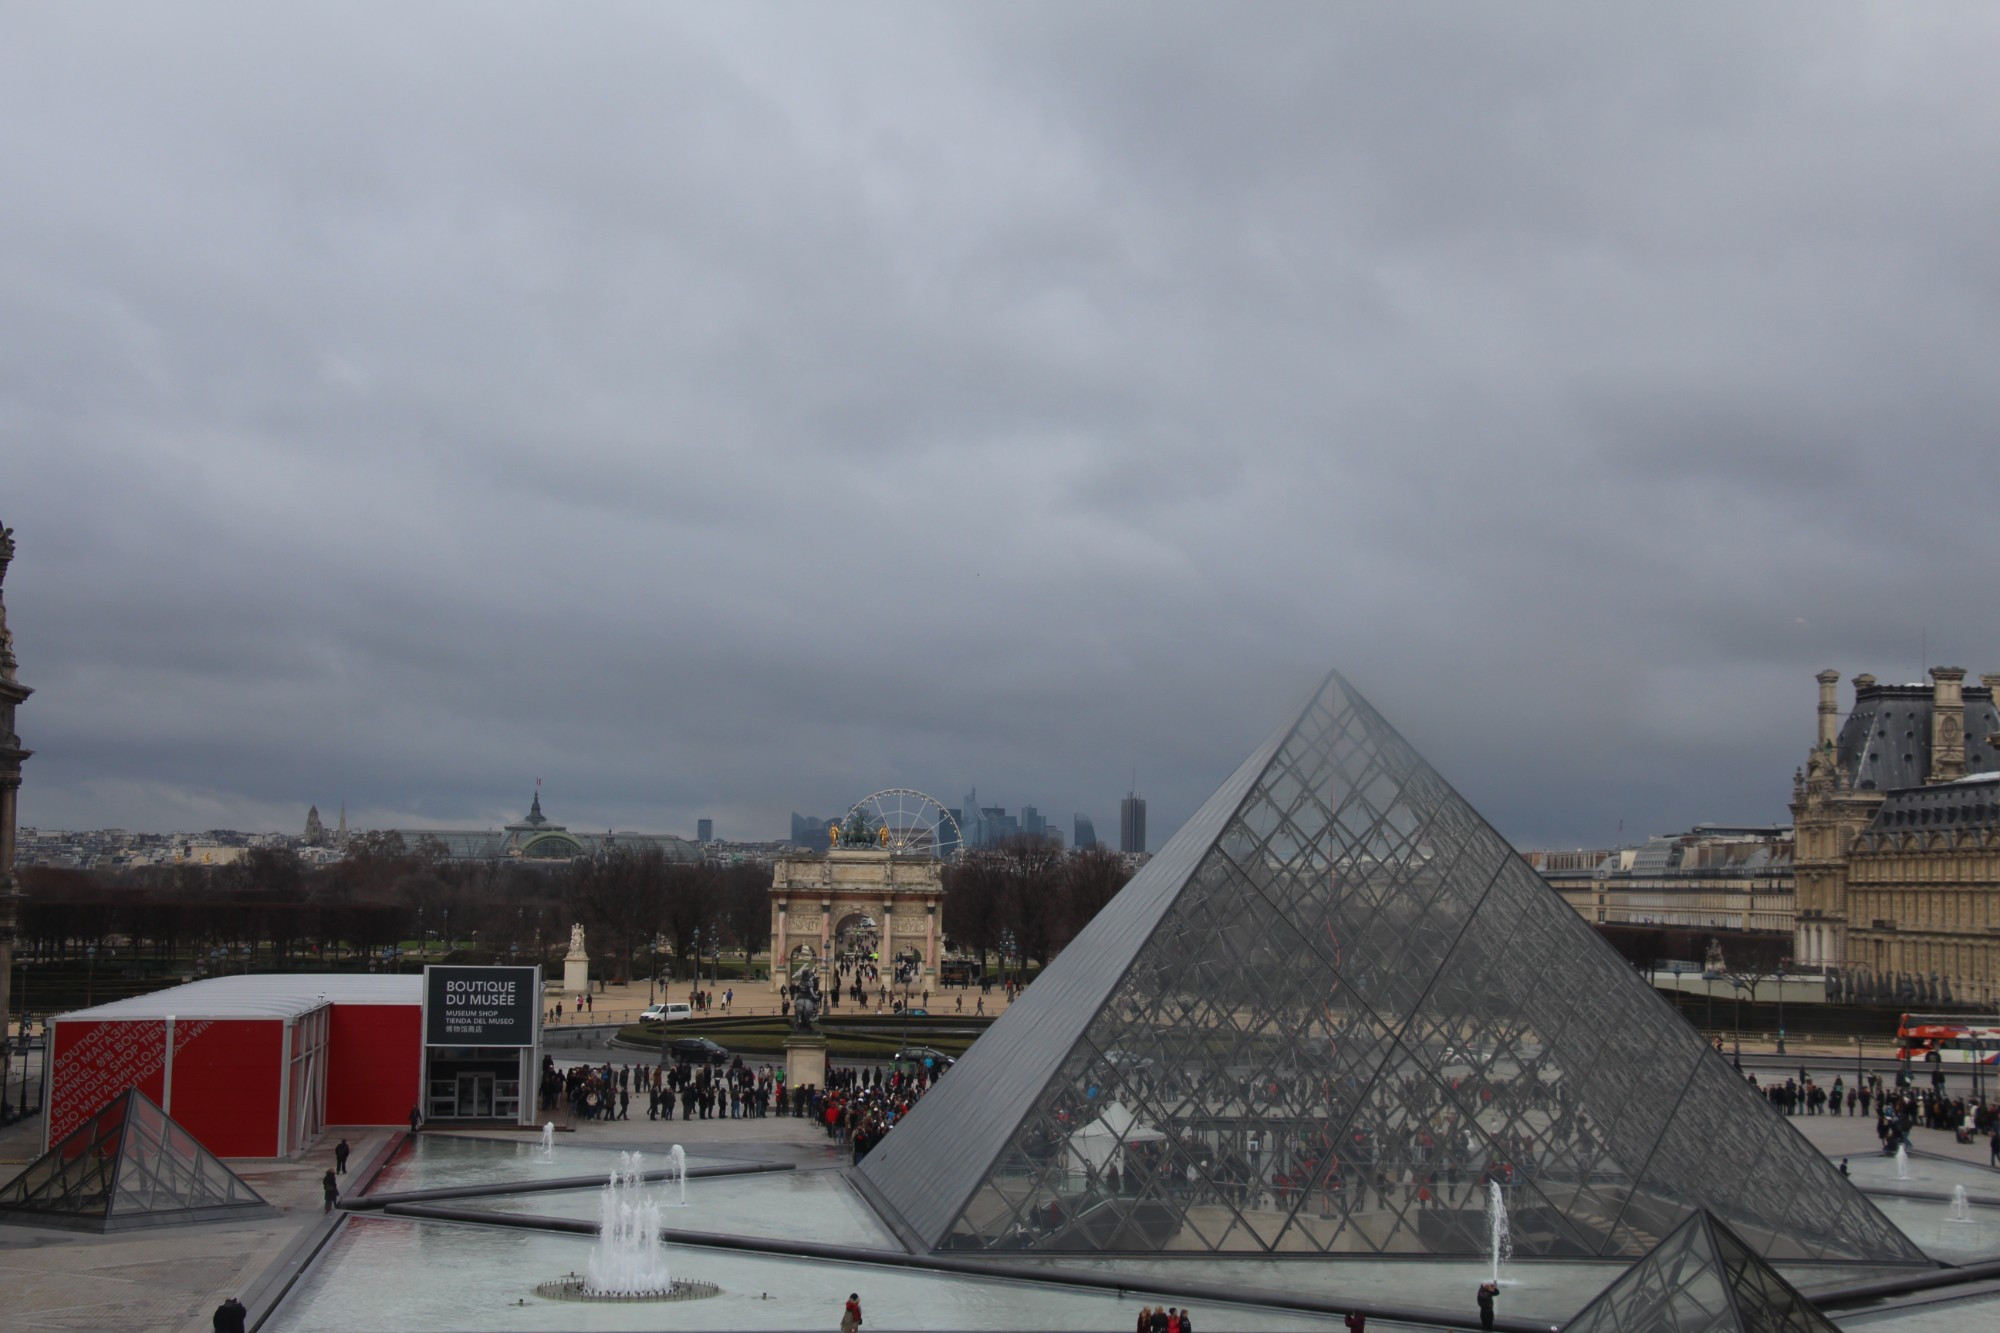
{"x":1897,"y":1107}
{"x":856,"y":1107}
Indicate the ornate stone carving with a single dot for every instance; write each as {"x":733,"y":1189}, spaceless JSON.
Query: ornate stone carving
{"x":7,"y":663}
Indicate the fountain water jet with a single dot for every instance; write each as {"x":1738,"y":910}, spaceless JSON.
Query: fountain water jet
{"x":629,"y":1262}
{"x":677,"y":1170}
{"x":1961,"y":1207}
{"x":1499,"y":1236}
{"x":549,"y":1141}
{"x":1902,"y":1161}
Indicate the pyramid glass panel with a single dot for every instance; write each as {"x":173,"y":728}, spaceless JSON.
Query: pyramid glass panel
{"x":1701,"y":1278}
{"x":1333,"y":1016}
{"x":129,"y":1165}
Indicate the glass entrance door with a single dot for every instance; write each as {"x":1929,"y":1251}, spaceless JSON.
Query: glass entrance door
{"x":475,"y":1096}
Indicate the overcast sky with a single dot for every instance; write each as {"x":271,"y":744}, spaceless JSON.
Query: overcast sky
{"x":722,"y":410}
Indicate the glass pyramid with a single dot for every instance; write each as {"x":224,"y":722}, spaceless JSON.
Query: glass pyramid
{"x":1700,"y":1279}
{"x":129,"y":1165}
{"x":1338,"y":1015}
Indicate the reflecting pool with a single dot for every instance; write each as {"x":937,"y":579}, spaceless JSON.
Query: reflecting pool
{"x":384,"y":1274}
{"x":394,"y":1273}
{"x":817,"y":1205}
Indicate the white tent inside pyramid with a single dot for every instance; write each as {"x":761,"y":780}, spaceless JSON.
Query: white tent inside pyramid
{"x":1701,"y":1279}
{"x":1348,"y":1014}
{"x":127,"y":1166}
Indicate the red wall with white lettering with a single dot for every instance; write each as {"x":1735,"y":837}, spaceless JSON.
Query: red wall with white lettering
{"x":91,"y":1063}
{"x":375,"y":1063}
{"x":227,"y":1076}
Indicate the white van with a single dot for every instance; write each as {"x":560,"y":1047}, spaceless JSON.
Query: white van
{"x":667,"y":1012}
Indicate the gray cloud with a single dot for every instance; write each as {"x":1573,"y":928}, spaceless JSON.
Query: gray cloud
{"x":724,"y":411}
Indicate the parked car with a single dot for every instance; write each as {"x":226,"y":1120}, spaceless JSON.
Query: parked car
{"x":927,"y":1056}
{"x":665,"y":1012}
{"x":696,"y":1051}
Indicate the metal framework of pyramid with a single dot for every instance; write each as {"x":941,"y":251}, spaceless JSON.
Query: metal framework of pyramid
{"x":129,"y":1165}
{"x":1337,"y":1014}
{"x":1700,"y":1279}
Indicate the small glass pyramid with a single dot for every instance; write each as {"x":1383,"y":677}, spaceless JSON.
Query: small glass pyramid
{"x":1337,"y":1014}
{"x":1700,"y":1279}
{"x":129,"y":1165}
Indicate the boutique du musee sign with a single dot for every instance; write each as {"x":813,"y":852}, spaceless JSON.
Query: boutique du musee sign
{"x":481,"y":1006}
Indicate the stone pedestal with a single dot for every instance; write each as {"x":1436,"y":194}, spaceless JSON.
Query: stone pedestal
{"x":576,"y":975}
{"x":805,"y":1060}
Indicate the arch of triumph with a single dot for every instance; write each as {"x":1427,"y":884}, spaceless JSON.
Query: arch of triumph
{"x":814,"y":894}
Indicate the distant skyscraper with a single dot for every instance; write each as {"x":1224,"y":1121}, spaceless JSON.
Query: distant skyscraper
{"x":968,"y":821}
{"x":1086,"y":833}
{"x":1132,"y":823}
{"x":810,"y":833}
{"x":996,"y":825}
{"x":1032,"y":823}
{"x":704,"y":830}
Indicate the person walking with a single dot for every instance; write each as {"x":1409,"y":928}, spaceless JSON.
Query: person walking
{"x":850,"y":1316}
{"x":340,"y":1151}
{"x":1145,"y":1319}
{"x":1356,"y":1322}
{"x":230,"y":1317}
{"x":330,"y":1187}
{"x":416,"y":1119}
{"x":1487,"y":1291}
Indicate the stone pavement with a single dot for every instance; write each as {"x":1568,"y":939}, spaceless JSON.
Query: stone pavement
{"x":774,"y":1138}
{"x":159,"y":1280}
{"x":1854,"y":1136}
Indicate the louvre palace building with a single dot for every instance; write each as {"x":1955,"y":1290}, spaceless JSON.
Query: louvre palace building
{"x":1897,"y":813}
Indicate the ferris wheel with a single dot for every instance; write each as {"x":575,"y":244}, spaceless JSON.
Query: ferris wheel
{"x":908,"y":823}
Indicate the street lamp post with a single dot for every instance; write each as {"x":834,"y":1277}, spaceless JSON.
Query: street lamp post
{"x":90,"y":981}
{"x":26,"y":1018}
{"x":1783,"y":963}
{"x":1736,"y":984}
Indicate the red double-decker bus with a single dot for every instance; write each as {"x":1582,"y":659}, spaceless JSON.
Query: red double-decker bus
{"x":1952,"y":1039}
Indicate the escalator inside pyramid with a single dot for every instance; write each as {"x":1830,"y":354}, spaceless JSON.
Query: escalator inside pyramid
{"x":1338,"y":1015}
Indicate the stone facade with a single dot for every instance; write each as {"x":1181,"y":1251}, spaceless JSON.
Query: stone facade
{"x":813,"y":895}
{"x":12,"y":695}
{"x":1897,"y":813}
{"x":1709,"y":878}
